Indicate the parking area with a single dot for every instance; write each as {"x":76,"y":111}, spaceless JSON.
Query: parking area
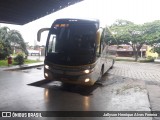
{"x":142,"y":71}
{"x":147,"y":72}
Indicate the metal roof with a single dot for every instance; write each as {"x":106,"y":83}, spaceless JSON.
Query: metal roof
{"x":24,"y":11}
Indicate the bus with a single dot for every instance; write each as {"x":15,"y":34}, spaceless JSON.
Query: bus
{"x":76,"y":52}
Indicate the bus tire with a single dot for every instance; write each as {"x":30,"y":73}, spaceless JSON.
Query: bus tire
{"x":112,"y":64}
{"x":101,"y":73}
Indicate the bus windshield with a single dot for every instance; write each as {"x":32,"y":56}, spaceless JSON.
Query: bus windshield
{"x":72,"y":44}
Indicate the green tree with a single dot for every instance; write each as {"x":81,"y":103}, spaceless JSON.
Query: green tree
{"x":19,"y":59}
{"x":5,"y":48}
{"x":16,"y":40}
{"x":11,"y":38}
{"x":126,"y":32}
{"x":157,"y":48}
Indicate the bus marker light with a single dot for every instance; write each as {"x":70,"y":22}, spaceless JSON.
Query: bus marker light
{"x":46,"y":66}
{"x":87,"y":80}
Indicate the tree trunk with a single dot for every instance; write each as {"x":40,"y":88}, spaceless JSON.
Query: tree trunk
{"x":14,"y":50}
{"x":135,"y":53}
{"x":136,"y":56}
{"x":136,"y":50}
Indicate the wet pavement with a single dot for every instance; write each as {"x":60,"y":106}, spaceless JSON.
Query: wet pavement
{"x":141,"y":71}
{"x":147,"y":72}
{"x":26,"y":90}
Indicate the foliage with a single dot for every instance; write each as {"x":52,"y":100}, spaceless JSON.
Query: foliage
{"x":126,"y":32}
{"x":10,"y":39}
{"x":5,"y":49}
{"x":19,"y":59}
{"x":5,"y":63}
{"x":157,"y":49}
{"x":109,"y":36}
{"x":31,"y":61}
{"x":17,"y":41}
{"x":149,"y":59}
{"x":128,"y":60}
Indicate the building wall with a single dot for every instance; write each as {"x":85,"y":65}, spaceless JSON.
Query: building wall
{"x":43,"y":52}
{"x":129,"y":53}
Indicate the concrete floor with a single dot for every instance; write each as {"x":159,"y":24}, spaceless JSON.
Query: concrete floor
{"x":27,"y":90}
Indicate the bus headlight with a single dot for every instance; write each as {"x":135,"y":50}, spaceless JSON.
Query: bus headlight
{"x":46,"y":74}
{"x":87,"y":80}
{"x":86,"y":71}
{"x":46,"y":66}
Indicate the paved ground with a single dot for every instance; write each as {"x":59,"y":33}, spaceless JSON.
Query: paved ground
{"x":148,"y":72}
{"x":122,"y":89}
{"x":142,"y":71}
{"x":27,"y":90}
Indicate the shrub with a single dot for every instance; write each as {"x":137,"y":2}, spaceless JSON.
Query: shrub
{"x":157,"y":49}
{"x":4,"y":51}
{"x":149,"y":59}
{"x":19,"y":59}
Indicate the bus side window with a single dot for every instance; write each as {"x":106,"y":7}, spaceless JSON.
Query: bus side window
{"x":98,"y":43}
{"x":52,"y":43}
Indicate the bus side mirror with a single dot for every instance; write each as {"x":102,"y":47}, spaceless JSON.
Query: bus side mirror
{"x":39,"y":33}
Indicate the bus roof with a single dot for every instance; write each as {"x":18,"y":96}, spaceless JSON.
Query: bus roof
{"x":73,"y":20}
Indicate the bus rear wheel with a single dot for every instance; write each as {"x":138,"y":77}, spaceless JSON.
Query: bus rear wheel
{"x":101,"y":73}
{"x":112,"y":64}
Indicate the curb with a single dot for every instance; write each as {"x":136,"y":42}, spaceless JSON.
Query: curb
{"x":28,"y":66}
{"x":157,"y":60}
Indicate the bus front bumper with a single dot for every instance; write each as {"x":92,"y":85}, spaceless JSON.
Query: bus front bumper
{"x":83,"y":79}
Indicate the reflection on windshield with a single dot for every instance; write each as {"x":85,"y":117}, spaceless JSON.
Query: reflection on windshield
{"x":74,"y":42}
